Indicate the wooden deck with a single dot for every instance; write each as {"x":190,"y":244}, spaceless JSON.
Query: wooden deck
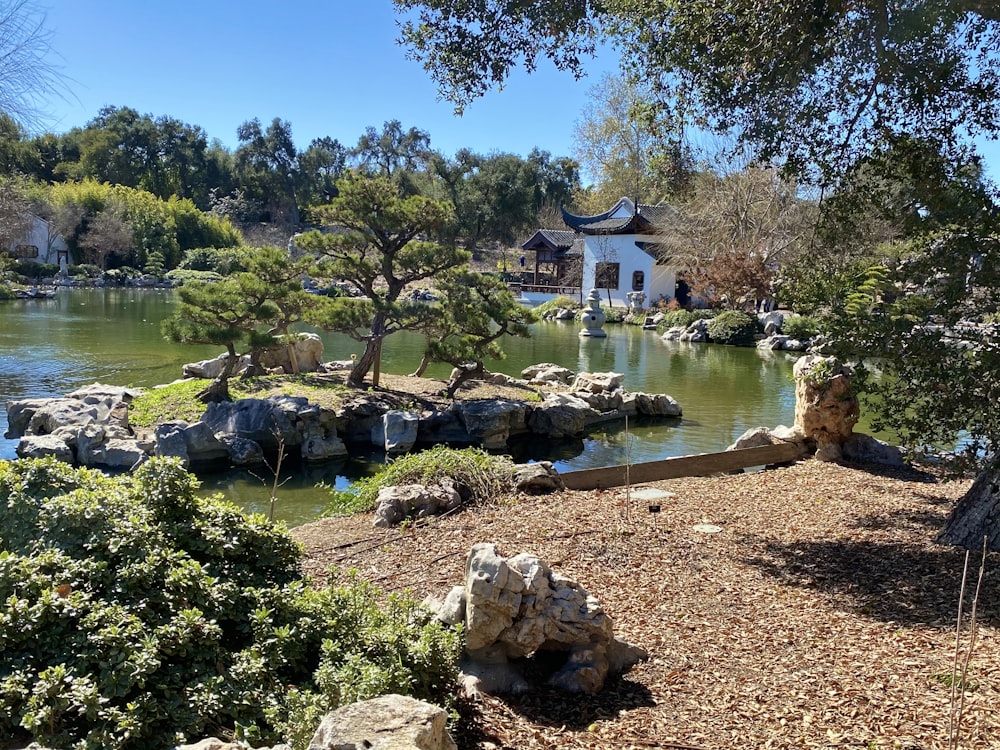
{"x":702,"y":464}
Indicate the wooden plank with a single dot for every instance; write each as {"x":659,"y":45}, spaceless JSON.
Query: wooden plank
{"x":698,"y":465}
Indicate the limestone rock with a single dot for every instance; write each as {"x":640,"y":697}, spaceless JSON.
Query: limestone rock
{"x":391,"y":722}
{"x":41,"y":446}
{"x":598,"y":382}
{"x":517,"y":607}
{"x":547,"y":373}
{"x":537,"y":478}
{"x":19,"y":414}
{"x":308,"y":351}
{"x":825,"y":408}
{"x":396,"y":431}
{"x":397,"y":503}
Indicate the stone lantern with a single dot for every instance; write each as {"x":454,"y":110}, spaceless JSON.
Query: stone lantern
{"x":592,"y":317}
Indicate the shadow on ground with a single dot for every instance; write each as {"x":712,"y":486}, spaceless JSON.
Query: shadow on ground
{"x":904,"y":584}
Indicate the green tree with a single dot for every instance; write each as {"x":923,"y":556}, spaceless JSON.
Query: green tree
{"x":266,"y":165}
{"x":393,"y":150}
{"x":380,"y":245}
{"x":475,"y":313}
{"x":252,"y":308}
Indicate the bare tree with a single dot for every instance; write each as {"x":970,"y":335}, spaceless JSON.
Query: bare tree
{"x":735,"y":230}
{"x":27,"y":73}
{"x":107,"y":234}
{"x":15,"y":220}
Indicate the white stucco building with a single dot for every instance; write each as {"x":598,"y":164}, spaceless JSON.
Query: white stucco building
{"x":42,"y":244}
{"x":620,"y":254}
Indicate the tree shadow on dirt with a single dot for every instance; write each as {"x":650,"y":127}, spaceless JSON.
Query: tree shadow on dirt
{"x":904,"y":584}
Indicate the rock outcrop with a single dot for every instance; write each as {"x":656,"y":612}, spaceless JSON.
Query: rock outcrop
{"x":519,"y":607}
{"x":391,"y":722}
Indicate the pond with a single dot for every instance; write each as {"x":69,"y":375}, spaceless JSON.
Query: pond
{"x":50,"y":347}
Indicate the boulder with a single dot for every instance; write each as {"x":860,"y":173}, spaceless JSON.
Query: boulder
{"x":42,"y":446}
{"x":561,"y":415}
{"x":390,"y":722}
{"x":210,"y":369}
{"x":547,"y":373}
{"x":195,"y":444}
{"x":101,"y":447}
{"x":267,"y":422}
{"x":317,"y":449}
{"x":518,"y":607}
{"x":396,"y":431}
{"x":598,"y":382}
{"x":308,"y":351}
{"x":863,"y":448}
{"x":537,"y":478}
{"x":19,"y":414}
{"x":657,"y":405}
{"x":397,"y":503}
{"x":491,"y":422}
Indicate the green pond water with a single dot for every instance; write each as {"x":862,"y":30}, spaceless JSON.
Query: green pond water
{"x":49,"y":347}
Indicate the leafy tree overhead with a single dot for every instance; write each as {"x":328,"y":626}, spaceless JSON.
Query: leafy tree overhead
{"x":814,"y":83}
{"x":380,"y":244}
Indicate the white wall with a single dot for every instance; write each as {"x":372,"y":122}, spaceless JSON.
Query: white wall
{"x":621,"y":249}
{"x":44,"y":237}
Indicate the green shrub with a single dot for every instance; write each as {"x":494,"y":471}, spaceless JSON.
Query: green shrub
{"x":6,"y":292}
{"x":562,"y":301}
{"x":136,"y":614}
{"x":800,"y":327}
{"x":483,"y":475}
{"x":733,"y":327}
{"x":183,"y":276}
{"x":677,"y":319}
{"x":35,"y":270}
{"x":223,"y":261}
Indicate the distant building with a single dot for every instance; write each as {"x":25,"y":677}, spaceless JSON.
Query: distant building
{"x":620,"y":252}
{"x":42,"y":244}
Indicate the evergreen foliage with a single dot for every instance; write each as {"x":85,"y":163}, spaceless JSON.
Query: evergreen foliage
{"x":136,"y":614}
{"x":733,"y":327}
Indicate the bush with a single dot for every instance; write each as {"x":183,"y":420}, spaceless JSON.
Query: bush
{"x":562,"y":301}
{"x":482,"y":475}
{"x":677,"y":319}
{"x":183,"y":276}
{"x":136,"y":614}
{"x":223,"y":261}
{"x":733,"y":327}
{"x":35,"y":270}
{"x":88,"y":270}
{"x":801,"y":327}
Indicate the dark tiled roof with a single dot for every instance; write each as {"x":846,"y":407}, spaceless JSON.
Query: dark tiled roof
{"x":622,"y":218}
{"x":558,"y":240}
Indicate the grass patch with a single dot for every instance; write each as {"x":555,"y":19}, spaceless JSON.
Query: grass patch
{"x":484,"y":475}
{"x":169,"y":403}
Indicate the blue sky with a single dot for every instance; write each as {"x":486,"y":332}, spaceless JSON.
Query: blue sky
{"x":329,"y":67}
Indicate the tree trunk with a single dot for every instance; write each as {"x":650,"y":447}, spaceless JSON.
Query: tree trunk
{"x":422,"y":367}
{"x":372,"y":352}
{"x":218,"y":389}
{"x":464,"y":373}
{"x":977,"y":514}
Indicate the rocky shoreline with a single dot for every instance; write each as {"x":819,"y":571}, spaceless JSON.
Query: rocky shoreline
{"x":90,"y":426}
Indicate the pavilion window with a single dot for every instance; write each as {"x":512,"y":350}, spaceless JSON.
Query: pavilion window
{"x":606,"y":275}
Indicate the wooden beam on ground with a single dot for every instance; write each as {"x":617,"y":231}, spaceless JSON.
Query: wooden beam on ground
{"x":699,"y":465}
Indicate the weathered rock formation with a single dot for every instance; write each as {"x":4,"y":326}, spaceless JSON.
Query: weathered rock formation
{"x":519,"y":607}
{"x":391,"y":722}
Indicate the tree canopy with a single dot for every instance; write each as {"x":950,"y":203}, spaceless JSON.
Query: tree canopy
{"x":816,"y":84}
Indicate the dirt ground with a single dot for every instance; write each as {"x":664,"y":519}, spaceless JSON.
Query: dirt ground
{"x":821,"y":614}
